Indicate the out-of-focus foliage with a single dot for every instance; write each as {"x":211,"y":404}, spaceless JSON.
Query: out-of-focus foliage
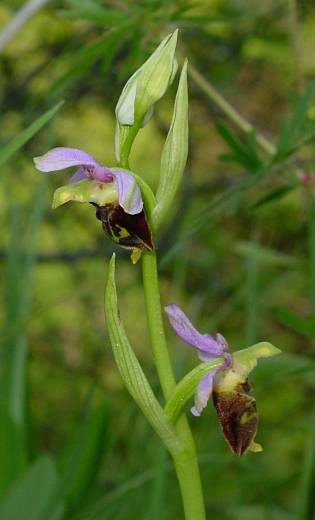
{"x":238,"y":253}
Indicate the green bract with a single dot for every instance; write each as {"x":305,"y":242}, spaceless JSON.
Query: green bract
{"x":174,"y":155}
{"x":131,"y":371}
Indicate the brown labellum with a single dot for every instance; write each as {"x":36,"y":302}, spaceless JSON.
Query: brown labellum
{"x":129,"y":231}
{"x":237,"y":414}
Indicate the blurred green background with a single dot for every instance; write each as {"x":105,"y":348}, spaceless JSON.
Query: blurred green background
{"x":238,"y":253}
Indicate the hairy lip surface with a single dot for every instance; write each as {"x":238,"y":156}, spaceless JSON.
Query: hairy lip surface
{"x":237,"y":413}
{"x":129,"y":231}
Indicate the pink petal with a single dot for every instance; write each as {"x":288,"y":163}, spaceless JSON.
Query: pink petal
{"x":129,"y":193}
{"x":208,"y":348}
{"x":79,"y":175}
{"x":101,"y":173}
{"x":203,"y":393}
{"x":60,"y":158}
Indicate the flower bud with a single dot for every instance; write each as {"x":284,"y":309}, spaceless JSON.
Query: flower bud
{"x":145,"y":87}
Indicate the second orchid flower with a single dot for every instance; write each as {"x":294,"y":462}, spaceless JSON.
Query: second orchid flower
{"x":226,"y":384}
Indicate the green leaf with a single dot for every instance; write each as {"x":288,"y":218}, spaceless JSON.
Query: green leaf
{"x":101,"y":509}
{"x":286,"y":366}
{"x":306,"y":489}
{"x":29,"y":496}
{"x":156,"y":499}
{"x":17,"y":143}
{"x":301,"y":108}
{"x":304,"y":326}
{"x":82,"y":463}
{"x":17,"y":304}
{"x":265,"y":255}
{"x":91,"y":11}
{"x":273,"y":196}
{"x":85,"y":457}
{"x":174,"y":154}
{"x":231,"y":139}
{"x":284,"y":139}
{"x":246,"y":153}
{"x":81,"y":60}
{"x":298,"y":129}
{"x":202,"y":217}
{"x":17,"y":307}
{"x":12,"y":451}
{"x":131,"y":371}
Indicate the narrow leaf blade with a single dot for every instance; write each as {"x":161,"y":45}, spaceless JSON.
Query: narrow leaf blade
{"x":131,"y":371}
{"x":19,"y":141}
{"x":29,"y":495}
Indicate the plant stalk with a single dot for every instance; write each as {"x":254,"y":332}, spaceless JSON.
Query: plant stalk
{"x":296,"y":44}
{"x":126,"y":148}
{"x":229,"y":110}
{"x":186,"y":464}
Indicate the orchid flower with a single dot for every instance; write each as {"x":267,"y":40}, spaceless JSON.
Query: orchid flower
{"x":114,"y":192}
{"x":227,"y":384}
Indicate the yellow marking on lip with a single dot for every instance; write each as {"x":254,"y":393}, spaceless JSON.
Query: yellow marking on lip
{"x":64,"y":197}
{"x":78,"y":198}
{"x":247,"y":417}
{"x":135,"y":255}
{"x":255,"y":447}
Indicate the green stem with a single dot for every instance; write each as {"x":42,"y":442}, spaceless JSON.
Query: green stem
{"x":155,"y":322}
{"x":185,"y":462}
{"x":131,"y":133}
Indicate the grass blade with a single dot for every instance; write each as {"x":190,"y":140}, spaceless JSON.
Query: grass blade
{"x":17,"y":304}
{"x":30,"y":494}
{"x":85,"y":457}
{"x":306,"y":503}
{"x":22,"y":138}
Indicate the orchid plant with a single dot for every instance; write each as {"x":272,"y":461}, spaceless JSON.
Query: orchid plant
{"x":131,"y":214}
